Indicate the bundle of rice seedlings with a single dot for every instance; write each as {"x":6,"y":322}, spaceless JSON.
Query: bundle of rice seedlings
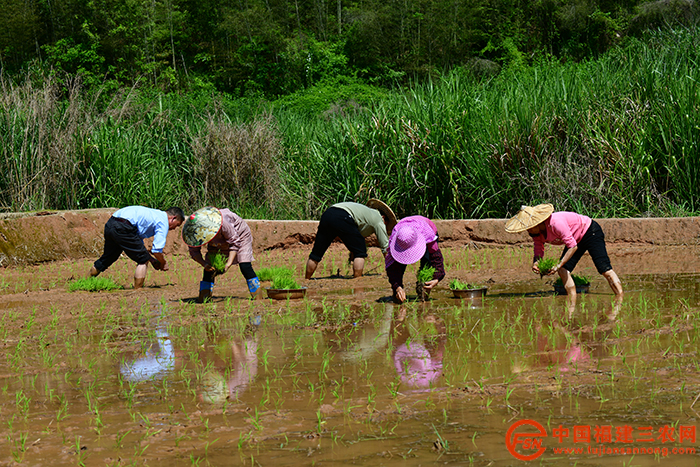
{"x":456,"y":284}
{"x":545,"y":265}
{"x":578,"y":280}
{"x":268,"y":274}
{"x":218,"y":262}
{"x":284,"y":282}
{"x":425,"y":274}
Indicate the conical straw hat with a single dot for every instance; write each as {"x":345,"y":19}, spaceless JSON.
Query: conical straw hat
{"x":386,"y":211}
{"x":201,"y":226}
{"x":528,"y":217}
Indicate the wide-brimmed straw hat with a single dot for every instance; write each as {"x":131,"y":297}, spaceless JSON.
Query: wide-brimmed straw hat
{"x":406,"y":244}
{"x":386,"y":212}
{"x":528,"y":217}
{"x":201,"y":226}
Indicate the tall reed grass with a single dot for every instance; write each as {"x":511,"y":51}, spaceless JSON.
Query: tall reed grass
{"x":62,"y":148}
{"x":614,"y":137}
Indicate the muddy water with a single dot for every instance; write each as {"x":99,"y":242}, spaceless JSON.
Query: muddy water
{"x":346,"y":377}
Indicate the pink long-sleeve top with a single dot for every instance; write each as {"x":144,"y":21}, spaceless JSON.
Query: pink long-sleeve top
{"x":234,"y":235}
{"x":563,"y":228}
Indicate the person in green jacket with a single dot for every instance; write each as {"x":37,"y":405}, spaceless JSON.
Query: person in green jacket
{"x":352,"y":222}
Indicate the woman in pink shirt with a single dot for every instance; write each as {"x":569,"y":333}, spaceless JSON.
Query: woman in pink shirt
{"x":223,"y":232}
{"x":577,"y":233}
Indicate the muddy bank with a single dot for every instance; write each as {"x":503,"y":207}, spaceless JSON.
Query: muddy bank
{"x":27,"y":238}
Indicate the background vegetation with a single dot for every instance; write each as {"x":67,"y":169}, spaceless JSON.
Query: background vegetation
{"x":278,"y":109}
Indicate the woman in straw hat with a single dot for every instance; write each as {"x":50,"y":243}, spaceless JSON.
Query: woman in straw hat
{"x":577,"y":233}
{"x":413,"y":239}
{"x":352,"y":222}
{"x":224,"y":232}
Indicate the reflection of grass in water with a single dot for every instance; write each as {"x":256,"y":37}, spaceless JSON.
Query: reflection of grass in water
{"x":93,"y":284}
{"x":578,"y":280}
{"x":284,"y":282}
{"x":218,"y":262}
{"x":268,"y":274}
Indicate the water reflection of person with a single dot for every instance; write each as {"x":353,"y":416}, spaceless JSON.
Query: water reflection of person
{"x":361,"y":341}
{"x":417,"y":359}
{"x":231,"y":363}
{"x":231,"y":373}
{"x":610,"y":315}
{"x":560,"y":348}
{"x":154,"y":364}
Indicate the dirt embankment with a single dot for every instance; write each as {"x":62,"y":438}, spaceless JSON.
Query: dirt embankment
{"x":27,"y":238}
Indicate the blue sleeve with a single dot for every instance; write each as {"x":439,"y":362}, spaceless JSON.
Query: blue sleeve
{"x":161,"y":233}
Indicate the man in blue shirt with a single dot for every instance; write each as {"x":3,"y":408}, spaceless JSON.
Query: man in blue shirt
{"x":125,"y":231}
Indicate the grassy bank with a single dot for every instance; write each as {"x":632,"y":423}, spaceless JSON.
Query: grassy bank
{"x":616,"y":137}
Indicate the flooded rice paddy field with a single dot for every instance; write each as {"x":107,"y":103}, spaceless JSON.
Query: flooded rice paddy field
{"x":345,"y":376}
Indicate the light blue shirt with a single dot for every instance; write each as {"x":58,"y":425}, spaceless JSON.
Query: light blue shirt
{"x":149,"y":223}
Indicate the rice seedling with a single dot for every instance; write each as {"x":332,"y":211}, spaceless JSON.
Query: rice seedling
{"x":269,"y":274}
{"x":578,"y":280}
{"x":284,"y":282}
{"x":93,"y":284}
{"x":218,"y":262}
{"x":456,"y":284}
{"x":545,"y":265}
{"x":425,"y":274}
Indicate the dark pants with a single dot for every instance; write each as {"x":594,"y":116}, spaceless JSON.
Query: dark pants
{"x":593,"y":241}
{"x":121,"y":236}
{"x":337,"y":222}
{"x":246,"y":269}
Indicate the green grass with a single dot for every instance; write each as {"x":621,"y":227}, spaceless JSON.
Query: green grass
{"x":578,"y":280}
{"x":93,"y":284}
{"x":546,"y":264}
{"x":284,"y":282}
{"x":268,"y":274}
{"x":425,"y":274}
{"x":218,"y":262}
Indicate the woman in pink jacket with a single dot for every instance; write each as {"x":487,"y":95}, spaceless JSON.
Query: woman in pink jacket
{"x":413,"y":239}
{"x":577,"y":233}
{"x":223,"y":232}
